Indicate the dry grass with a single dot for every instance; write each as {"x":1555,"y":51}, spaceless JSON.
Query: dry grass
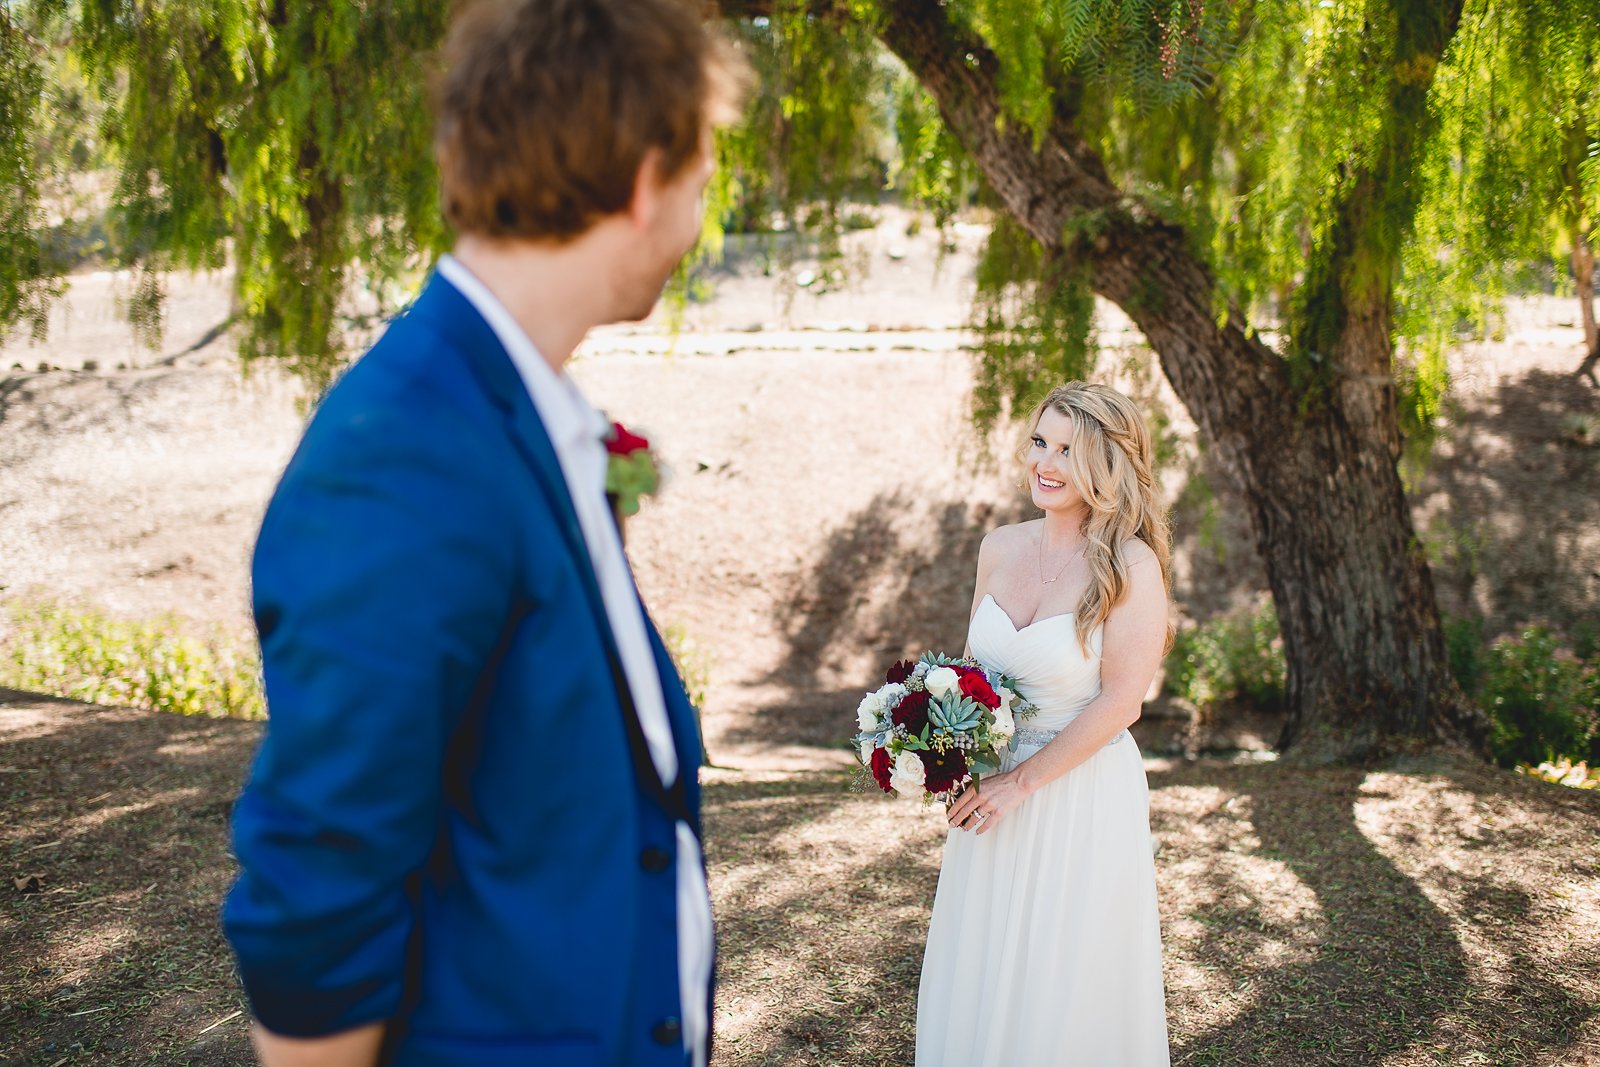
{"x":1443,"y":913}
{"x":1446,"y":914}
{"x":123,"y":816}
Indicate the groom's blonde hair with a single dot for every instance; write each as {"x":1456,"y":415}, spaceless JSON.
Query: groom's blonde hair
{"x":544,"y":109}
{"x":1111,"y":467}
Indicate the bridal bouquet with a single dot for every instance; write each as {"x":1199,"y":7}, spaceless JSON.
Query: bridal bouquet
{"x":936,"y":725}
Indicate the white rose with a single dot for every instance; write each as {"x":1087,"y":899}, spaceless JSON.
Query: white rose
{"x":870,"y":711}
{"x":908,"y":774}
{"x":941,"y":680}
{"x":1004,"y":723}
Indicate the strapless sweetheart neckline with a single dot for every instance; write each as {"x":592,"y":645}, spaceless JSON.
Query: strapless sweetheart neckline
{"x":989,"y":598}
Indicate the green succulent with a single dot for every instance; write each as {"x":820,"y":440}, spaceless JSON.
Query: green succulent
{"x":955,"y":713}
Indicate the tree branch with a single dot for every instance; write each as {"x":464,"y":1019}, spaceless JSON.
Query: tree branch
{"x":1062,"y":195}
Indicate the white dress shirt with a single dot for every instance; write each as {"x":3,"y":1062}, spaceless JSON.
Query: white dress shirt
{"x":577,"y":430}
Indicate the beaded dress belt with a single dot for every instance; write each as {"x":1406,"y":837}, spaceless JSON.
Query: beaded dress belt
{"x":1029,"y":735}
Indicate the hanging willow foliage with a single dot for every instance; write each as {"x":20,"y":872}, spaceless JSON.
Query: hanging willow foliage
{"x":1514,"y":179}
{"x":290,"y":139}
{"x":25,"y":285}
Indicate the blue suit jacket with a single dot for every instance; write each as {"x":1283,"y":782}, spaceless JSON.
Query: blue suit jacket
{"x":444,"y":826}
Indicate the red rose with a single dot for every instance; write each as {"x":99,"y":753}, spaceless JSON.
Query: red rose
{"x":900,"y":672}
{"x":623,"y":441}
{"x":911,"y":712}
{"x":881,"y":769}
{"x":944,"y":769}
{"x":976,"y":686}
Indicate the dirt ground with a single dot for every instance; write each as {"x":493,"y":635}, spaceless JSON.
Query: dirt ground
{"x":823,"y":516}
{"x":1441,"y":914}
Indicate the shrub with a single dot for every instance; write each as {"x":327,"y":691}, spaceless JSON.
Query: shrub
{"x":1463,"y":644}
{"x":1543,"y":700}
{"x":161,"y":665}
{"x":1234,"y":657}
{"x":694,"y":666}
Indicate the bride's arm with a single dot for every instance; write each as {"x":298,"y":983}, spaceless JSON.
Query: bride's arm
{"x":1131,"y":647}
{"x":1132,"y":644}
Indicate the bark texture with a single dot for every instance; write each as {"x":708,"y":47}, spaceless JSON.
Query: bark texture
{"x":1583,"y":275}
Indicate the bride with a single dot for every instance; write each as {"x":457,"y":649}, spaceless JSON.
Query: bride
{"x":1045,"y":945}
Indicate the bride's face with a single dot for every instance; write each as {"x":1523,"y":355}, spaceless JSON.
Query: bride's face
{"x":1046,"y":463}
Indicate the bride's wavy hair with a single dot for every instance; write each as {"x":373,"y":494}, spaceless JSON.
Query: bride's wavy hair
{"x":1110,"y":466}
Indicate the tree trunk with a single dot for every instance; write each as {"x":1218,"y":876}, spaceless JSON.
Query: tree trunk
{"x":1362,"y":635}
{"x":1583,"y":275}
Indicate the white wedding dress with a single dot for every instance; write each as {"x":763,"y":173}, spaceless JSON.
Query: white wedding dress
{"x":1045,"y":944}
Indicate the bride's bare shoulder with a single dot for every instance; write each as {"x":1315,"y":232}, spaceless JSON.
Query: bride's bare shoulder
{"x":1009,"y":538}
{"x":1135,"y":551}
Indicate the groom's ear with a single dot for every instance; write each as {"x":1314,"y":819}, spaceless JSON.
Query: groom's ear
{"x":645,"y":202}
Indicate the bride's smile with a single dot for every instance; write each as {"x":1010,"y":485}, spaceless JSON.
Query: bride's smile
{"x":1048,"y":456}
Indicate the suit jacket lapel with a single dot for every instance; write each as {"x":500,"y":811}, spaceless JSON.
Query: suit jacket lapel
{"x":444,"y":304}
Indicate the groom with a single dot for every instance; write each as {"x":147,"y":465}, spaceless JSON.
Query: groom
{"x":470,"y":838}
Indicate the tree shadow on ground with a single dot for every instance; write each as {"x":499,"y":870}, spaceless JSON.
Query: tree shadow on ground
{"x":1390,"y":976}
{"x":894,"y":579}
{"x":1327,"y":952}
{"x":123,"y":816}
{"x":822,"y":894}
{"x":822,"y":902}
{"x":1514,"y":536}
{"x":805,"y":719}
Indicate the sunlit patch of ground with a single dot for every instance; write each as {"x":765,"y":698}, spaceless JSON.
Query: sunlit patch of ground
{"x":1439,"y":914}
{"x":122,"y":815}
{"x":1315,"y":917}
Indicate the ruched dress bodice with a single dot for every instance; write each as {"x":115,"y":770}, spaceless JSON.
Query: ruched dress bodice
{"x":1049,"y":665}
{"x":1044,"y":658}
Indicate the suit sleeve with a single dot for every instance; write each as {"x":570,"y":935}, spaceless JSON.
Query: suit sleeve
{"x":382,"y":577}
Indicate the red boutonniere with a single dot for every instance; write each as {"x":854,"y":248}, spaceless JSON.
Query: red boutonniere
{"x":631,"y":471}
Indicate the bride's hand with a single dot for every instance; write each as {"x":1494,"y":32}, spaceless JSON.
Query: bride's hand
{"x":980,"y":808}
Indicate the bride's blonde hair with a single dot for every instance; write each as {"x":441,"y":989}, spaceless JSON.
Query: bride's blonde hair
{"x":1110,"y":466}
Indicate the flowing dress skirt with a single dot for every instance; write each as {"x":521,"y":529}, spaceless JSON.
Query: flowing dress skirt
{"x":1045,"y":944}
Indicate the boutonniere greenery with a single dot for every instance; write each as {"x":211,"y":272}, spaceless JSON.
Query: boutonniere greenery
{"x":631,"y":471}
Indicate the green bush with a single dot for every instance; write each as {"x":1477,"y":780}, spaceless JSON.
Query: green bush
{"x":694,"y":666}
{"x":160,"y":665}
{"x":1540,"y":688}
{"x":163,"y":665}
{"x":1543,"y":699}
{"x":1231,"y":658}
{"x":1464,"y":645}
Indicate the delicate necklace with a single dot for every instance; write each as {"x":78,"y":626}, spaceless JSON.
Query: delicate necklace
{"x":1064,"y":566}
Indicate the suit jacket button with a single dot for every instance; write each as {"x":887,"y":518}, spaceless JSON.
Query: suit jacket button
{"x":655,"y":860}
{"x":667,"y":1032}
